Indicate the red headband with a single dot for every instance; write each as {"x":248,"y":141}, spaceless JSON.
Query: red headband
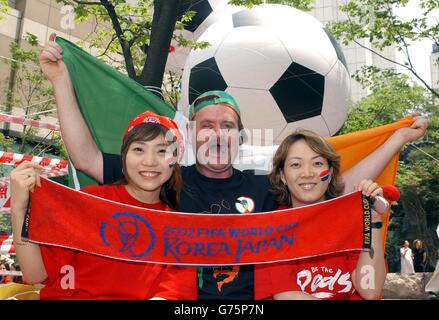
{"x":151,"y":117}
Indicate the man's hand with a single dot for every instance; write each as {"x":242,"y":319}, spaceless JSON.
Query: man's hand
{"x":51,"y":60}
{"x":415,"y":131}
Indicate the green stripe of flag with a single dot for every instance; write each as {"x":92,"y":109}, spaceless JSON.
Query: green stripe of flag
{"x":108,"y":99}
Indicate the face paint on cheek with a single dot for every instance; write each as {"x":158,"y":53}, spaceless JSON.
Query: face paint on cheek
{"x":171,"y":163}
{"x":324,"y":175}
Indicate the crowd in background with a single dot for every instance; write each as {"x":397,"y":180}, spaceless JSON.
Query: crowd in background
{"x":413,"y":260}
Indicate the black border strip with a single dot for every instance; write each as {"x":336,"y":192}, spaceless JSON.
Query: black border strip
{"x":367,"y":222}
{"x":25,"y":227}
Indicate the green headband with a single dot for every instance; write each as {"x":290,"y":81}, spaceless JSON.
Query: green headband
{"x":221,"y":97}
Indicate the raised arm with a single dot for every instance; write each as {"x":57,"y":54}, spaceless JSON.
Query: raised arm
{"x":80,"y":145}
{"x":23,"y":179}
{"x":371,"y":166}
{"x":370,"y":273}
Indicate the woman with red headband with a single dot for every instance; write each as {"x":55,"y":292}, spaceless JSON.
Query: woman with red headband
{"x":151,"y":148}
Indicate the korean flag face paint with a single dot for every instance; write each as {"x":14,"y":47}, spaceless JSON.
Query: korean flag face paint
{"x":303,"y":172}
{"x":325,"y":175}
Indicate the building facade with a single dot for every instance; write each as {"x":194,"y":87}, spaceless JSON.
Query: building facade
{"x":434,"y":66}
{"x":40,"y":18}
{"x":356,"y":56}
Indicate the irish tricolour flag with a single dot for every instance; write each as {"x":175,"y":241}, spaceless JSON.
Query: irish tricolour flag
{"x":108,"y":99}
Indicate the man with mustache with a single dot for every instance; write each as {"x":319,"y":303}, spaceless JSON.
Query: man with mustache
{"x":211,"y":185}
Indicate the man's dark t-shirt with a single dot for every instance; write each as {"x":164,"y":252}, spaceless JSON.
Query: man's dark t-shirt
{"x":243,"y":192}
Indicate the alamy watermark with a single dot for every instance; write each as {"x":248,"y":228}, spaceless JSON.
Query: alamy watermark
{"x":209,"y":146}
{"x":68,"y":19}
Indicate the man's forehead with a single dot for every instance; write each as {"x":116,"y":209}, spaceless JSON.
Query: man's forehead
{"x":216,"y":112}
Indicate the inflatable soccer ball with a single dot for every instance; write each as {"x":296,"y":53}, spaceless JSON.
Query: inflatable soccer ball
{"x":283,"y":67}
{"x":207,"y":13}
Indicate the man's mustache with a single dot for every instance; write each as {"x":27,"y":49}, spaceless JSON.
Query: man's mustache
{"x":215,"y":143}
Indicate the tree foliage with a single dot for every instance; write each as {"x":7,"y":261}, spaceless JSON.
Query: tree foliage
{"x":31,"y":88}
{"x":393,"y":96}
{"x":5,"y":145}
{"x":415,"y":216}
{"x":4,"y":7}
{"x":376,"y":21}
{"x":5,"y":142}
{"x":136,"y":38}
{"x":5,"y":224}
{"x":34,"y":94}
{"x":126,"y":33}
{"x":305,"y":5}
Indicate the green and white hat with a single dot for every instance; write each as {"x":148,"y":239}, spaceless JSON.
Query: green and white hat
{"x":213,"y":97}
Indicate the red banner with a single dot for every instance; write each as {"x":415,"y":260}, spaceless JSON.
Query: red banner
{"x":6,"y":244}
{"x":64,"y":217}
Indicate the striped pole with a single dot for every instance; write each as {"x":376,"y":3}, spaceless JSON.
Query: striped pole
{"x":15,"y":159}
{"x":28,"y":122}
{"x":4,"y":185}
